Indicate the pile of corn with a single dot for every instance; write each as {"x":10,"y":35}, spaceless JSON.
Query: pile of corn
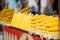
{"x":6,"y":15}
{"x":24,"y":20}
{"x":21,"y":21}
{"x":42,"y":24}
{"x":45,"y":25}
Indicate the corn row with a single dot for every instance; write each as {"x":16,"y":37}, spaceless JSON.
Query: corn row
{"x":45,"y":23}
{"x":6,"y":15}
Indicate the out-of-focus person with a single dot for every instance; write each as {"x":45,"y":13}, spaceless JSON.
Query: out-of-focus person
{"x":49,"y":8}
{"x":39,"y":7}
{"x":55,"y":7}
{"x":24,"y":4}
{"x":34,"y":6}
{"x":43,"y":4}
{"x":16,"y":4}
{"x":0,"y":5}
{"x":52,"y":7}
{"x":3,"y":4}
